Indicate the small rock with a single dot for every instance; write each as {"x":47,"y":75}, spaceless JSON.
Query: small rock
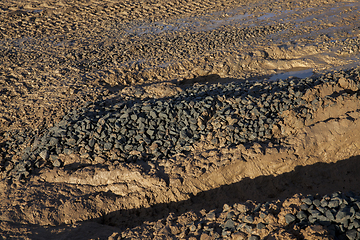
{"x":301,"y":215}
{"x":53,"y":157}
{"x":341,"y":215}
{"x":260,"y":226}
{"x":230,"y":215}
{"x":71,"y":141}
{"x":153,"y":114}
{"x":44,"y":154}
{"x":163,"y":115}
{"x":329,"y":215}
{"x":211,"y":216}
{"x":226,"y":207}
{"x":57,"y":163}
{"x":248,"y":219}
{"x":316,"y":202}
{"x":356,"y":223}
{"x":321,"y":209}
{"x":257,"y":208}
{"x":312,"y":219}
{"x":214,"y":141}
{"x":289,"y":218}
{"x":92,"y":142}
{"x":107,"y":146}
{"x":68,"y":151}
{"x":242,"y":208}
{"x":333,"y":204}
{"x":192,"y":228}
{"x":262,"y":214}
{"x":323,"y":203}
{"x":344,"y":223}
{"x":99,"y":160}
{"x":357,"y":203}
{"x":307,"y":200}
{"x":229,"y":224}
{"x":314,"y":212}
{"x":53,"y":141}
{"x":248,"y":228}
{"x":24,"y":157}
{"x":352,"y":234}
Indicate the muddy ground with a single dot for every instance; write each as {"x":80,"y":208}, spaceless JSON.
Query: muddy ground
{"x":61,"y":59}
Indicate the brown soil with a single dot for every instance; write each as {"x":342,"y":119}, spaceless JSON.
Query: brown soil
{"x":57,"y":55}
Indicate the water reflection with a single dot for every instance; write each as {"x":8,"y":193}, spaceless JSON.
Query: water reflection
{"x":308,"y":72}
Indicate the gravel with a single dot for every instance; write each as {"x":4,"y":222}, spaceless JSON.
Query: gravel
{"x":225,"y":114}
{"x":230,"y":222}
{"x":339,"y":213}
{"x":289,"y":218}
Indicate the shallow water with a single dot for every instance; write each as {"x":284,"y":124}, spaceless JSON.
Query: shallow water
{"x":236,"y":17}
{"x":299,"y":74}
{"x":266,"y":16}
{"x":193,"y":24}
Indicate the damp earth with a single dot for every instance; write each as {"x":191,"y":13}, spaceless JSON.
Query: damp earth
{"x":179,"y":119}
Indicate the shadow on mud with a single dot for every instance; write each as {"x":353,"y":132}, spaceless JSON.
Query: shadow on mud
{"x":189,"y":82}
{"x":320,"y":178}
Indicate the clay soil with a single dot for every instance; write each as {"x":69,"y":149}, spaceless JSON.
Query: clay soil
{"x":56,"y":56}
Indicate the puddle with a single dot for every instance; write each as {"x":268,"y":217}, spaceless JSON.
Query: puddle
{"x":154,"y":28}
{"x":238,"y":17}
{"x":37,"y":11}
{"x":205,"y":23}
{"x":308,"y":72}
{"x":266,"y":16}
{"x":220,"y":19}
{"x":208,"y":23}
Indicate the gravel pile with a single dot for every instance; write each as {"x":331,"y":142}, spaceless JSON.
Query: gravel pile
{"x":223,"y":115}
{"x":240,"y":221}
{"x":338,"y":212}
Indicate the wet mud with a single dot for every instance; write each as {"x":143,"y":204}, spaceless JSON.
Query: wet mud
{"x":179,"y":119}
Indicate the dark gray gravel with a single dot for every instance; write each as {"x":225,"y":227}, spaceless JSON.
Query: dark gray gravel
{"x":338,"y":212}
{"x":289,"y":218}
{"x":231,"y":114}
{"x":230,"y":221}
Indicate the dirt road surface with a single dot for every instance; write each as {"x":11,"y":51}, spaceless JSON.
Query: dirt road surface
{"x":179,"y":119}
